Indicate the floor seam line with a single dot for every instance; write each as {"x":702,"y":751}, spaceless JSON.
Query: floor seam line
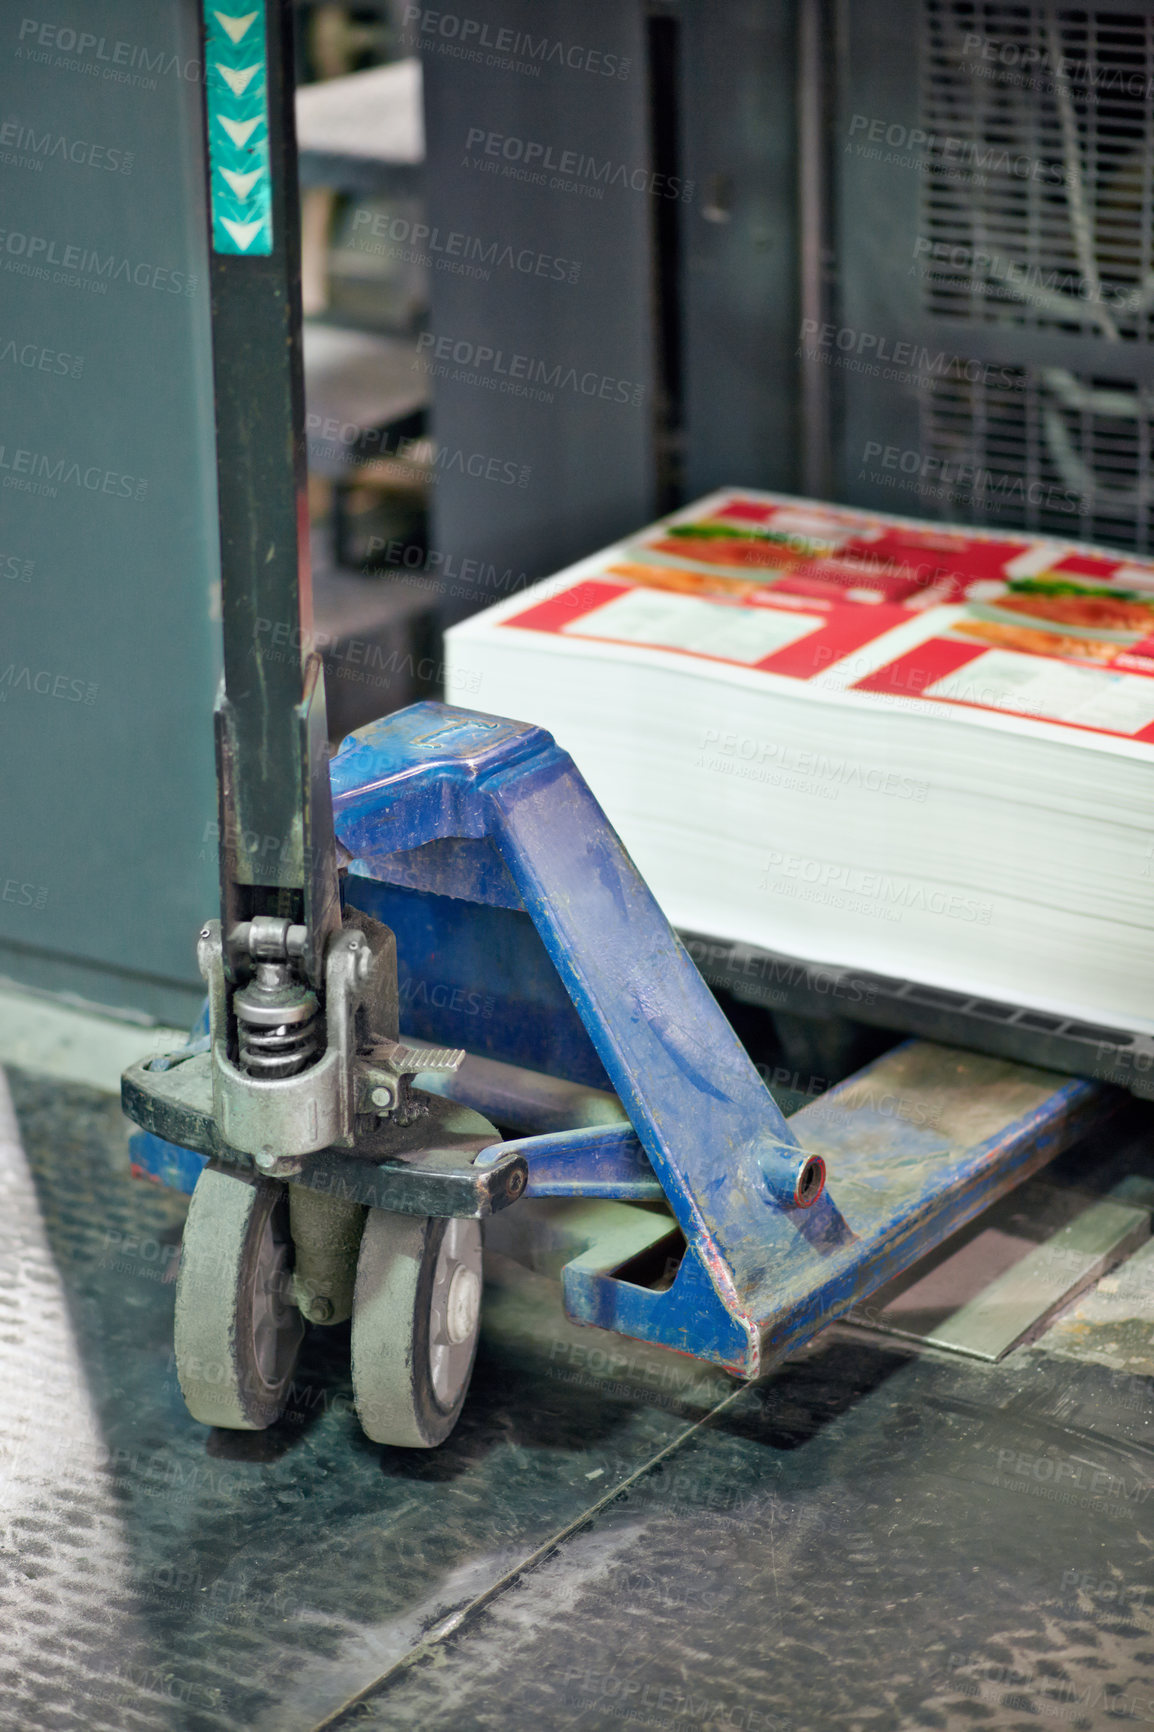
{"x":459,"y":1619}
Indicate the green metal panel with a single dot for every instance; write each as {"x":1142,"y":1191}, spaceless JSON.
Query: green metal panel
{"x":108,"y":544}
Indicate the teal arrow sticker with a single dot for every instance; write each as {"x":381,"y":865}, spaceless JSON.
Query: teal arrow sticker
{"x":236,"y":82}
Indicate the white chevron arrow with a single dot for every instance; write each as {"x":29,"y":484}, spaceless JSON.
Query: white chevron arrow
{"x":242,"y":184}
{"x":236,"y":27}
{"x":240,"y":131}
{"x":238,"y":82}
{"x":242,"y":233}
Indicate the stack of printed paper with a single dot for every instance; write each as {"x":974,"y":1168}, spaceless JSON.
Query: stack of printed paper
{"x":862,"y":741}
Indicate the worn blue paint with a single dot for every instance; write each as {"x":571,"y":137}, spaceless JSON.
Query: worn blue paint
{"x":896,"y":1191}
{"x":710,"y":1127}
{"x":478,"y":976}
{"x":900,"y":1190}
{"x":153,"y":1158}
{"x":458,"y":826}
{"x":595,"y":1161}
{"x":690,"y":1316}
{"x":759,"y":1275}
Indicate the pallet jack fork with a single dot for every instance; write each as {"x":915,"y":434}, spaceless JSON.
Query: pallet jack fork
{"x":339,"y":1177}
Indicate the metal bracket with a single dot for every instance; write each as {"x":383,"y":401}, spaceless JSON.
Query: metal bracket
{"x":383,"y":1080}
{"x":351,"y":1124}
{"x":426,"y":1168}
{"x":280,"y":1120}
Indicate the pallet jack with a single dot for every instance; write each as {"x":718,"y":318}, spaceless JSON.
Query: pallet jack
{"x":341,"y":1169}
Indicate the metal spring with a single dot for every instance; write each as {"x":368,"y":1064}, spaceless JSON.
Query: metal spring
{"x":279,"y":1051}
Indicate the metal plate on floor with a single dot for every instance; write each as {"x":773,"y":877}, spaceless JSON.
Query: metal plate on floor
{"x":614,"y":1533}
{"x":996,"y":1284}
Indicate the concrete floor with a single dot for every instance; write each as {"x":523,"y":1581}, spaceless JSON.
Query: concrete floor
{"x":874,"y":1537}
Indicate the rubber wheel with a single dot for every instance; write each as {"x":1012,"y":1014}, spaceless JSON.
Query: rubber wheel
{"x":416,"y":1319}
{"x":238,"y":1332}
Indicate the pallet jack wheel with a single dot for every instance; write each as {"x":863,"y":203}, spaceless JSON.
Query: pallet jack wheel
{"x":416,"y":1319}
{"x":238,"y":1332}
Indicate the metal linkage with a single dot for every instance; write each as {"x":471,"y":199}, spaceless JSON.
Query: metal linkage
{"x":280,"y":1029}
{"x":277,"y":1024}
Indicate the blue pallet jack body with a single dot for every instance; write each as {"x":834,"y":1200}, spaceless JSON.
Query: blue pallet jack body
{"x":454,"y":826}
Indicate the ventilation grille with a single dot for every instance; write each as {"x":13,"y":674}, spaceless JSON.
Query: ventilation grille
{"x":1037,"y":199}
{"x":1049,"y":450}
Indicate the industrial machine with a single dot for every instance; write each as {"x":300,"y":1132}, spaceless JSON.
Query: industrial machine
{"x":343,"y":1165}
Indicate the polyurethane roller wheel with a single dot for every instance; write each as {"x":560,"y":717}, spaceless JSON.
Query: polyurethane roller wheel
{"x":238,"y":1332}
{"x":416,"y":1318}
